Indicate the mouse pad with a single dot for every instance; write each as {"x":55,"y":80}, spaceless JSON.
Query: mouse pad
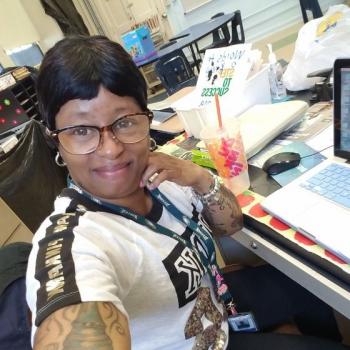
{"x":305,"y":163}
{"x":299,"y":147}
{"x":269,"y":226}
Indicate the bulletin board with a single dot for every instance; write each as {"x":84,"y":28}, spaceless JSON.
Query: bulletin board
{"x":190,"y":5}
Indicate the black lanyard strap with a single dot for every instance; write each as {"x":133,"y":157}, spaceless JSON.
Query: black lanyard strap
{"x":209,"y":261}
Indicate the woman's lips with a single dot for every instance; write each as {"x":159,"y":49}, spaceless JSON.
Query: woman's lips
{"x":112,"y":170}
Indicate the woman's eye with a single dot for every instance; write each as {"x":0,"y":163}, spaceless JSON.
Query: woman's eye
{"x":81,"y":131}
{"x":125,"y":123}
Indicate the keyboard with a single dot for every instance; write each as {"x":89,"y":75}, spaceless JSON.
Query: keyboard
{"x":332,"y":182}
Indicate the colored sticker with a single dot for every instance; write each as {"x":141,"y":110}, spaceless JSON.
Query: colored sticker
{"x":334,"y":257}
{"x":303,"y":239}
{"x":279,"y":225}
{"x":257,"y":211}
{"x":244,"y":199}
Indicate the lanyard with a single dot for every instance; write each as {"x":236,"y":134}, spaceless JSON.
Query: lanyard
{"x":201,"y":233}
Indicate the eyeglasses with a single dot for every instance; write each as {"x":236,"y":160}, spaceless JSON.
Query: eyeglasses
{"x":85,"y":139}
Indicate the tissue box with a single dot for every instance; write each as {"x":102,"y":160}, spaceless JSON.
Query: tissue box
{"x":256,"y":90}
{"x":139,"y":44}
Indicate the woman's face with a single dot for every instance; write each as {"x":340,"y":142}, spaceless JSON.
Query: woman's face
{"x":114,"y":169}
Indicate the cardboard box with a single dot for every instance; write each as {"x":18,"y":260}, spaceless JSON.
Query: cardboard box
{"x":139,"y":44}
{"x":12,"y":229}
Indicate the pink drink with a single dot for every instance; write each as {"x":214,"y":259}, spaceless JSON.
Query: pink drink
{"x":226,"y":149}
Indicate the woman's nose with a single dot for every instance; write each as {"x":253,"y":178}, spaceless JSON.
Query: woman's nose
{"x":109,"y":145}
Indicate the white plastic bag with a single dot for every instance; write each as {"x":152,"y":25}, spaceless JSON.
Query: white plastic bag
{"x":319,"y":43}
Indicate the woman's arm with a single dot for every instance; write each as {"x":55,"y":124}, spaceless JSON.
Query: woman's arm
{"x":223,"y":214}
{"x":90,"y":326}
{"x":221,"y":210}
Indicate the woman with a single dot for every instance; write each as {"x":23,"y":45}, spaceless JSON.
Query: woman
{"x":126,"y":257}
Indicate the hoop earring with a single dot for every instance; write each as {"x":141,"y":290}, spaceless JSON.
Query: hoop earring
{"x":59,"y":161}
{"x":152,"y":144}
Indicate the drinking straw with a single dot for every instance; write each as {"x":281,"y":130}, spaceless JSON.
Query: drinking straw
{"x":218,"y":112}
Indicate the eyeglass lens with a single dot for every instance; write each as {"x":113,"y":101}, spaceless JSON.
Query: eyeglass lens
{"x":86,"y":139}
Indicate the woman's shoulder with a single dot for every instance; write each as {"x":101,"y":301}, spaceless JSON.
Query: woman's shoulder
{"x":64,"y":216}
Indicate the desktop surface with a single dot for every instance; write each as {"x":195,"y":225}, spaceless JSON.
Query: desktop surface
{"x":322,"y":276}
{"x":319,"y":276}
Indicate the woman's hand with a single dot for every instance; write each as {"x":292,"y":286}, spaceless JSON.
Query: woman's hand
{"x":223,"y":215}
{"x":163,"y":167}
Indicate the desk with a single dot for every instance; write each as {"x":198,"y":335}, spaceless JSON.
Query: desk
{"x":314,"y":280}
{"x":174,"y":124}
{"x":189,"y":37}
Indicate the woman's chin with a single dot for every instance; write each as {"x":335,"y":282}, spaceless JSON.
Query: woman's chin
{"x":112,"y":191}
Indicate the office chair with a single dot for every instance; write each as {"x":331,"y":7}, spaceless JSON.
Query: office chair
{"x":172,"y":41}
{"x":311,"y":5}
{"x":237,"y":31}
{"x":218,"y":41}
{"x":174,"y":71}
{"x":235,"y":37}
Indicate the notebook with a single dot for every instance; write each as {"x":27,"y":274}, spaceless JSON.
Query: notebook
{"x":262,"y":123}
{"x":317,"y":204}
{"x":161,"y":116}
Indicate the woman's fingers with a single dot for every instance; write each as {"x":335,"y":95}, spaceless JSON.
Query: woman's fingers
{"x":159,"y":178}
{"x":163,"y":167}
{"x":148,"y":173}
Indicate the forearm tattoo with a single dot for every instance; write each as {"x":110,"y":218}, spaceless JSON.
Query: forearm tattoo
{"x":89,"y":326}
{"x":224,"y":215}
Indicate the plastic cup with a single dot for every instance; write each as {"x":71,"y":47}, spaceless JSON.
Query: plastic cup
{"x":226,"y":149}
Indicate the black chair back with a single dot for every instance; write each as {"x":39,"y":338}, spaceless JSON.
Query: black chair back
{"x":237,"y":31}
{"x":218,"y":41}
{"x":175,"y":72}
{"x":235,"y":37}
{"x":311,"y":5}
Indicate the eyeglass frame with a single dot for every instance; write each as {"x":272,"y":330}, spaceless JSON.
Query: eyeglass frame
{"x":54,"y":133}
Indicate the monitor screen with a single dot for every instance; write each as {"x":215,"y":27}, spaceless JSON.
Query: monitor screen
{"x":345,"y":110}
{"x":342,"y":108}
{"x":12,"y":114}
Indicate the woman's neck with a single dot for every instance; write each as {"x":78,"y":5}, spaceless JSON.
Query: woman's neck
{"x":139,"y":202}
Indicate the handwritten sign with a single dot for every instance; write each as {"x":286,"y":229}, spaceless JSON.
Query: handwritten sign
{"x":221,"y":70}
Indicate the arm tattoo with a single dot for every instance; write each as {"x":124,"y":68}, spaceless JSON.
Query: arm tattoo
{"x":113,"y":320}
{"x":224,"y":215}
{"x":89,"y":326}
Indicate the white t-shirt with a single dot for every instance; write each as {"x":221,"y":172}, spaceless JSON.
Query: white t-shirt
{"x":84,"y":253}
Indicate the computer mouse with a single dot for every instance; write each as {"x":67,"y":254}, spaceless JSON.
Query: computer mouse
{"x":281,"y":162}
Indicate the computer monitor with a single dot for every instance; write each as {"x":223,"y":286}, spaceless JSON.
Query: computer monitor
{"x":342,"y":108}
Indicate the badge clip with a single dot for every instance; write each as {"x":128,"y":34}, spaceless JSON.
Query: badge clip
{"x":243,"y":322}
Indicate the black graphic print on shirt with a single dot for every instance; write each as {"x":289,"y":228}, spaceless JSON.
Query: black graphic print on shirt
{"x":184,"y":266}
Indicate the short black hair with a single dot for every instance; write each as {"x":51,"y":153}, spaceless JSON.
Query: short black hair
{"x":77,"y":66}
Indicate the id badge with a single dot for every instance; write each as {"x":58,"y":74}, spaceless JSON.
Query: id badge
{"x":243,"y":322}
